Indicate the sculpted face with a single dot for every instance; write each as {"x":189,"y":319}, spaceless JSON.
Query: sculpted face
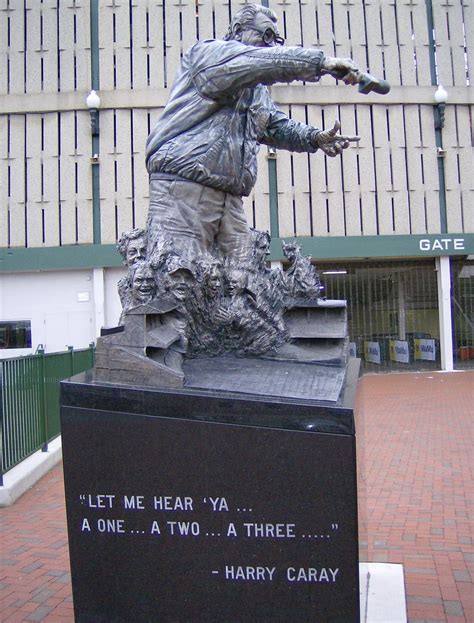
{"x":214,"y":281}
{"x":291,"y":252}
{"x":235,"y":282}
{"x":136,"y":251}
{"x":181,"y":280}
{"x":261,"y":33}
{"x":262,"y":248}
{"x":143,"y":286}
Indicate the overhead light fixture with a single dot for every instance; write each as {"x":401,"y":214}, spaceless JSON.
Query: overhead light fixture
{"x":440,"y":98}
{"x":93,"y":104}
{"x":334,"y":272}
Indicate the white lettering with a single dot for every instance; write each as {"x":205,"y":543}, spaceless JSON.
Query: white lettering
{"x":155,"y":528}
{"x":310,"y":574}
{"x":442,"y":244}
{"x":85,"y":525}
{"x":134,"y":501}
{"x":184,"y":528}
{"x":255,"y":574}
{"x":231,"y":531}
{"x":169,"y":503}
{"x":100,"y":501}
{"x":219,"y":504}
{"x":269,"y":530}
{"x":111,"y":525}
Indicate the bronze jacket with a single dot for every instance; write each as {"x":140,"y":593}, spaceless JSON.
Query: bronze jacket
{"x":220,"y":110}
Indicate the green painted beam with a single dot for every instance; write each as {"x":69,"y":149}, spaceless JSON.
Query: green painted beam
{"x":273,"y":197}
{"x":18,"y":259}
{"x":368,"y":247}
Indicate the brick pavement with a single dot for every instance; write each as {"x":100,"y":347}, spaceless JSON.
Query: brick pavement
{"x":420,"y":492}
{"x":418,"y":462}
{"x":35,"y":582}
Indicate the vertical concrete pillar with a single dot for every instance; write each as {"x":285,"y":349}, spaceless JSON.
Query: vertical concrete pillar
{"x":99,"y":300}
{"x":445,"y":319}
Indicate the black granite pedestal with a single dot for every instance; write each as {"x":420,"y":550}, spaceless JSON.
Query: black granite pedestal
{"x":190,"y":506}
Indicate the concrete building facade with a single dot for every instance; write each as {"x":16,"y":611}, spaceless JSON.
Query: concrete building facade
{"x":390,"y":224}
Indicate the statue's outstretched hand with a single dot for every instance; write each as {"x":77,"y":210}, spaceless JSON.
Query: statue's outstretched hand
{"x":333,"y":143}
{"x":342,"y":69}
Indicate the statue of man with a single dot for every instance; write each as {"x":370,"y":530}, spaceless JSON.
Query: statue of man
{"x":201,"y":156}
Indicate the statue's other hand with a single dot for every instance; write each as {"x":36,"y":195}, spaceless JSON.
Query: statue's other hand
{"x":222,"y":316}
{"x":342,"y":69}
{"x":333,"y":143}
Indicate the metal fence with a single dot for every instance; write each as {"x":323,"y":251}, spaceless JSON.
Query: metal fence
{"x":393,"y":312}
{"x":29,"y":400}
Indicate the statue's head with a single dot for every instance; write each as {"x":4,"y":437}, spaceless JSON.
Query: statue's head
{"x":254,"y":25}
{"x":143,"y":282}
{"x":132,"y":246}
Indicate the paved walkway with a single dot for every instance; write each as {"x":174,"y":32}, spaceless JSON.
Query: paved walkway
{"x":420,"y":493}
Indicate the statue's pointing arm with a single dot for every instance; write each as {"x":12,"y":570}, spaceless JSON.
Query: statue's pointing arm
{"x":221,"y":69}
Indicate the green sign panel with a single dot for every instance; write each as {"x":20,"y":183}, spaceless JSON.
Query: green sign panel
{"x":18,"y":259}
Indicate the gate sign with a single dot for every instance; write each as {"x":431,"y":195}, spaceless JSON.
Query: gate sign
{"x":372,"y":352}
{"x":399,"y":351}
{"x":425,"y":349}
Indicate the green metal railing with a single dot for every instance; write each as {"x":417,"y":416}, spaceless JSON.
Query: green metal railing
{"x":29,"y":400}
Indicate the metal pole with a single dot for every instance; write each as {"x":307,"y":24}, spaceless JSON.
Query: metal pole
{"x":43,"y":403}
{"x":2,"y":389}
{"x":94,"y":24}
{"x":443,"y":216}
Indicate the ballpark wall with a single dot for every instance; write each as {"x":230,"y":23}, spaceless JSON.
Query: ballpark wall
{"x":387,"y":185}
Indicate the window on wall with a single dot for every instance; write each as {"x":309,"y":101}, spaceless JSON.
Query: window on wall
{"x":15,"y":334}
{"x":462,"y":310}
{"x":392,"y":310}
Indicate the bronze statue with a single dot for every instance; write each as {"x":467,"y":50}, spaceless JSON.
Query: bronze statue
{"x":198,"y":283}
{"x":201,"y":155}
